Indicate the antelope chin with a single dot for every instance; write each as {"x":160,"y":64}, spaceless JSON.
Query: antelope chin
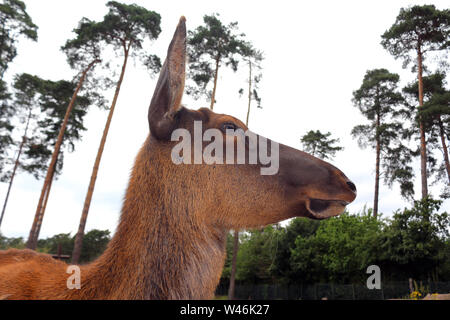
{"x":321,"y":209}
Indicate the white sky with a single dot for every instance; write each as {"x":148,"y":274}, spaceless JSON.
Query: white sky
{"x":316,"y":54}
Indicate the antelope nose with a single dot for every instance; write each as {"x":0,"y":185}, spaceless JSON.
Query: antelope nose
{"x":352,"y":186}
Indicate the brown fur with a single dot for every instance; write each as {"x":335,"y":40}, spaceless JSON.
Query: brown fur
{"x":170,"y":241}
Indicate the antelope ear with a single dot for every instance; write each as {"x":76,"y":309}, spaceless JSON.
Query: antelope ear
{"x":166,"y":99}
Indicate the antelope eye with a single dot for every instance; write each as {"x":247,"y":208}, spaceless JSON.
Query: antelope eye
{"x":229,"y":126}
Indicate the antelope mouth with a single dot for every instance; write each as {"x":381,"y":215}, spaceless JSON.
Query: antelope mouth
{"x":321,"y":209}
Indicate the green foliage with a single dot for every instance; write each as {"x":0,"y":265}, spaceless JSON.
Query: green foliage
{"x":415,"y":238}
{"x":45,"y":102}
{"x":378,"y":94}
{"x":257,"y":254}
{"x":226,"y":272}
{"x":84,"y":53}
{"x":397,"y":167}
{"x":15,"y":22}
{"x":320,"y":145}
{"x":53,"y":101}
{"x":435,"y":114}
{"x":94,"y":243}
{"x":340,"y":250}
{"x":281,"y":268}
{"x":209,"y":45}
{"x":436,"y":99}
{"x":129,"y":23}
{"x":417,"y":31}
{"x":418,"y":26}
{"x":437,"y":106}
{"x":126,"y":27}
{"x":50,"y":245}
{"x":85,"y":47}
{"x":6,"y":128}
{"x":443,"y":268}
{"x":55,"y":97}
{"x":351,"y":245}
{"x":6,"y":243}
{"x":414,"y":243}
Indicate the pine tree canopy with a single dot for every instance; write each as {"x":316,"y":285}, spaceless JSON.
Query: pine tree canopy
{"x":320,"y":144}
{"x":15,"y":22}
{"x":418,"y":26}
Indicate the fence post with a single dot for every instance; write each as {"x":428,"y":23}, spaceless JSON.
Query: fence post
{"x":332,"y":291}
{"x":353,"y":291}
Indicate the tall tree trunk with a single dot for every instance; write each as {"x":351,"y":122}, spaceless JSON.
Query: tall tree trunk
{"x":216,"y":73}
{"x":232,"y":286}
{"x":33,"y":236}
{"x":16,"y":164}
{"x":87,"y":202}
{"x":233,"y":266}
{"x":44,"y":206}
{"x":249,"y":90}
{"x":377,"y":168}
{"x":423,"y":146}
{"x":444,"y":147}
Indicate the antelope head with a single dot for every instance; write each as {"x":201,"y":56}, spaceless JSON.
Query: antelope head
{"x":238,"y":194}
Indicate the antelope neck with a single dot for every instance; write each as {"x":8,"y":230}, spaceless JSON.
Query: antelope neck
{"x":160,"y":250}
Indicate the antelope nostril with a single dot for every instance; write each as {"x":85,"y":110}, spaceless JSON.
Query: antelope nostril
{"x":352,"y":186}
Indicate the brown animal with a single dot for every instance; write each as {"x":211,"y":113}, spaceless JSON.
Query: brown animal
{"x":170,"y":242}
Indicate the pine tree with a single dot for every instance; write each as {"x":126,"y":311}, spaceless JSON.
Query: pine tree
{"x":417,"y":31}
{"x":124,"y":27}
{"x":320,"y":144}
{"x":15,"y":22}
{"x":38,"y":104}
{"x":380,"y":102}
{"x":436,"y":117}
{"x":209,"y":47}
{"x":83,"y":53}
{"x":6,"y":127}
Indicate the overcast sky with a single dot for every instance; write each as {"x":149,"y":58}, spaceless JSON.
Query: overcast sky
{"x":316,"y":54}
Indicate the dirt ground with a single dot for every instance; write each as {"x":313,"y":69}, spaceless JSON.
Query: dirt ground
{"x":437,"y":297}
